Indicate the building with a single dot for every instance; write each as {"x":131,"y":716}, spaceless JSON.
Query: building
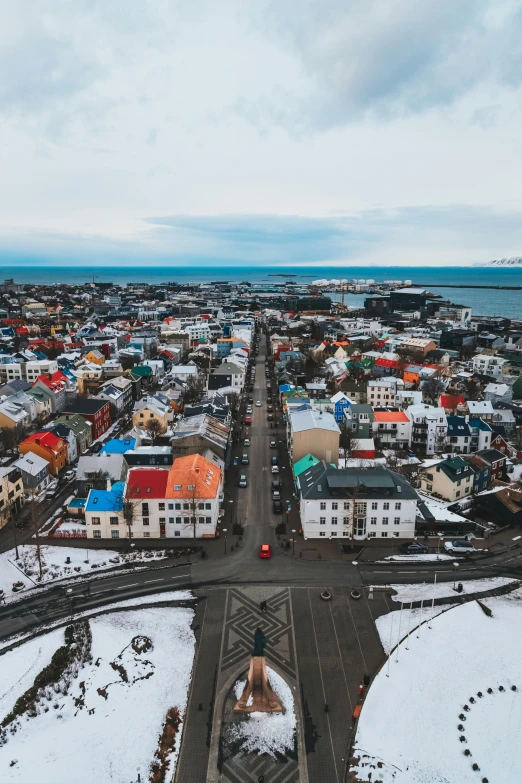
{"x":194,"y":493}
{"x":354,"y":503}
{"x":383,"y":392}
{"x":11,"y":493}
{"x":48,"y":446}
{"x":118,"y":393}
{"x":392,"y":429}
{"x":151,"y":409}
{"x":488,"y":363}
{"x":35,"y":472}
{"x":408,"y":300}
{"x":94,"y":471}
{"x":450,"y":479}
{"x":227,"y":374}
{"x":429,"y":427}
{"x":104,"y":515}
{"x":82,"y":430}
{"x":97,"y":412}
{"x":418,"y":345}
{"x":314,"y":433}
{"x":56,"y":383}
{"x":13,"y":414}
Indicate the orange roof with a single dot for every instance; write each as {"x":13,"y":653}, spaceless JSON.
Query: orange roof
{"x":190,"y":471}
{"x":390,"y":416}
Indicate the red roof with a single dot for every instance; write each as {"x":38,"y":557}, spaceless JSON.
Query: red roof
{"x":387,"y":363}
{"x":390,"y":416}
{"x":47,"y":439}
{"x":450,"y":401}
{"x":143,"y":483}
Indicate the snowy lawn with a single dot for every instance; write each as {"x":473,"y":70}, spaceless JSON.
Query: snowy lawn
{"x":412,"y":722}
{"x":266,"y":732}
{"x":426,"y":591}
{"x":416,"y":558}
{"x":109,"y":722}
{"x":54,"y":566}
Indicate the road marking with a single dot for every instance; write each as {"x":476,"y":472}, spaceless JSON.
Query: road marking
{"x":406,"y":572}
{"x":179,"y":577}
{"x":148,"y":581}
{"x":124,"y":587}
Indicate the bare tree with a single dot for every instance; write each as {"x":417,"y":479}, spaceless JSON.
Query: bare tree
{"x":97,"y":479}
{"x":432,"y":389}
{"x":154,"y":428}
{"x":12,"y":436}
{"x":195,"y":387}
{"x":348,"y":441}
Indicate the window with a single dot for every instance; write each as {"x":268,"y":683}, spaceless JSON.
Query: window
{"x":208,"y":506}
{"x":385,"y":520}
{"x":385,"y":506}
{"x":95,"y":520}
{"x":178,"y":520}
{"x":177,"y":506}
{"x":191,"y":487}
{"x":146,"y":535}
{"x":201,"y":506}
{"x":397,"y":507}
{"x":396,"y":520}
{"x":322,"y":533}
{"x":322,"y":520}
{"x":374,"y":506}
{"x":96,"y":533}
{"x":360,"y":509}
{"x":162,"y":519}
{"x":171,"y":520}
{"x":145,"y":520}
{"x":113,"y":520}
{"x":186,"y":520}
{"x":201,"y":520}
{"x":161,"y":507}
{"x":171,"y":506}
{"x":372,"y":534}
{"x":177,"y":487}
{"x":384,"y":535}
{"x":346,"y":520}
{"x":346,"y":506}
{"x":429,"y":487}
{"x":334,"y":520}
{"x":335,"y":506}
{"x":186,"y":506}
{"x":322,"y":506}
{"x":145,"y":509}
{"x":115,"y":533}
{"x":177,"y":533}
{"x":396,"y":535}
{"x":373,"y":521}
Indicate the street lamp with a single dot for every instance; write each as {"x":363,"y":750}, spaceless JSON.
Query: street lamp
{"x":139,"y":776}
{"x":133,"y":545}
{"x":69,"y":592}
{"x":293,"y":542}
{"x":455,"y":566}
{"x":225,"y":534}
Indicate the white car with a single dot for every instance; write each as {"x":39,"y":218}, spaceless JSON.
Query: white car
{"x":275,"y":468}
{"x":258,"y":404}
{"x":69,"y":475}
{"x":459,"y":547}
{"x":249,"y":410}
{"x":246,"y":442}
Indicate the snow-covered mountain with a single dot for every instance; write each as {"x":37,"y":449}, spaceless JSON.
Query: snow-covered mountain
{"x":513,"y":261}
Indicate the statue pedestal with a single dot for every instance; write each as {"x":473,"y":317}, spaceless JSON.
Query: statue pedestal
{"x":258,"y":696}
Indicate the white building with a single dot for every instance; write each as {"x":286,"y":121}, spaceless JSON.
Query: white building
{"x":429,"y":427}
{"x":356,"y":503}
{"x":383,"y":392}
{"x":486,"y":363}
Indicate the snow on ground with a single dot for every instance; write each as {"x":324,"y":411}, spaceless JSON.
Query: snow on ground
{"x":392,"y":628}
{"x":266,"y":732}
{"x":121,"y":733}
{"x":54,"y":566}
{"x":178,"y":595}
{"x":409,"y":720}
{"x":426,"y":590}
{"x":415,"y":558}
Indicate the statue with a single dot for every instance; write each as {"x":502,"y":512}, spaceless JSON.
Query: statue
{"x":258,"y":696}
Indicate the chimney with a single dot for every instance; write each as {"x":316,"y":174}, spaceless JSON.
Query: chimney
{"x":37,"y":441}
{"x":109,"y":487}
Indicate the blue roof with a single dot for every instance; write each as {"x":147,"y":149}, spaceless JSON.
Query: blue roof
{"x":285,"y":387}
{"x":457,"y":426}
{"x":117,"y":446}
{"x":479,"y":424}
{"x":106,"y":499}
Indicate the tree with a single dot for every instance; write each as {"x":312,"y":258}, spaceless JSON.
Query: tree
{"x":348,"y":440}
{"x":12,"y":436}
{"x":432,"y":389}
{"x":97,"y":479}
{"x":194,"y":389}
{"x":154,"y":428}
{"x":130,"y":513}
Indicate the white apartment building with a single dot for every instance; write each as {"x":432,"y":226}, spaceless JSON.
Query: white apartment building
{"x":488,"y":364}
{"x":383,"y":392}
{"x":356,"y":504}
{"x":429,"y":427}
{"x":40,"y":367}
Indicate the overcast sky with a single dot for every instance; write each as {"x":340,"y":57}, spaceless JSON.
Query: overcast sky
{"x":275,"y":131}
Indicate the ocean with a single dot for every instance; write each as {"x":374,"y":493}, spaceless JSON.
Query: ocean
{"x":482,"y":301}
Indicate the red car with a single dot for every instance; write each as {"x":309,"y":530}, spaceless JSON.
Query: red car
{"x":265,"y":551}
{"x":248,"y":420}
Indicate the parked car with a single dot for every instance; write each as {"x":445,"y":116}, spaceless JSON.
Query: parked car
{"x":248,"y":420}
{"x":275,"y":468}
{"x":258,"y":404}
{"x":250,"y":400}
{"x":265,"y":551}
{"x":51,"y":493}
{"x":276,"y":484}
{"x":459,"y":547}
{"x":413,"y":548}
{"x":273,"y":460}
{"x":246,"y":442}
{"x":273,"y":444}
{"x":270,"y":408}
{"x":69,"y":475}
{"x":249,"y":409}
{"x":243,"y":482}
{"x":277,"y":507}
{"x":270,"y":417}
{"x":276,"y":495}
{"x":244,"y":459}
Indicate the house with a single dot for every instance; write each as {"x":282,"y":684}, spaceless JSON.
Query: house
{"x":383,"y":392}
{"x":452,"y":403}
{"x":481,"y":473}
{"x":118,"y":393}
{"x":56,"y":383}
{"x":202,"y":434}
{"x":118,"y":446}
{"x":93,"y":471}
{"x":43,"y":401}
{"x":355,"y":503}
{"x":149,"y":456}
{"x":194,"y":493}
{"x":359,"y":418}
{"x":35,"y":472}
{"x":498,"y":392}
{"x":501,"y":504}
{"x":98,"y":412}
{"x":151,"y":409}
{"x":434,"y":517}
{"x":450,"y":479}
{"x":392,"y":429}
{"x":340,"y":404}
{"x":482,"y":409}
{"x":63,"y":431}
{"x":104,"y":513}
{"x":429,"y":427}
{"x":314,"y":433}
{"x":11,"y":493}
{"x":13,"y":414}
{"x":95,"y":356}
{"x":418,"y":345}
{"x":481,"y":434}
{"x":488,"y":363}
{"x":82,"y":430}
{"x":496,"y":461}
{"x":48,"y":446}
{"x":459,"y":435}
{"x":227,"y":374}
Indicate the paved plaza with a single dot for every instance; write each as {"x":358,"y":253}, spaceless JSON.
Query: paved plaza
{"x":321,"y":648}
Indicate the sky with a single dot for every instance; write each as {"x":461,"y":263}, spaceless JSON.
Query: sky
{"x":275,"y":132}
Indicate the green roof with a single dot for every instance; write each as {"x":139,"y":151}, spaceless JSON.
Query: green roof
{"x":304,"y":463}
{"x":142,"y":369}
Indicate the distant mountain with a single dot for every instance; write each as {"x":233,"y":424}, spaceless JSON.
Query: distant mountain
{"x":513,"y":261}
